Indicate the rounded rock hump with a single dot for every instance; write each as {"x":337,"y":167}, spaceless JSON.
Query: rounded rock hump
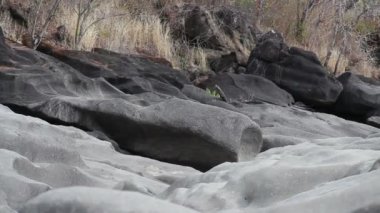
{"x":360,"y":97}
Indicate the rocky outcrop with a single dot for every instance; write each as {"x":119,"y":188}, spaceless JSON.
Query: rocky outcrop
{"x":295,"y":70}
{"x":250,"y":89}
{"x":154,"y":123}
{"x":360,"y":96}
{"x":207,"y":26}
{"x":225,"y":63}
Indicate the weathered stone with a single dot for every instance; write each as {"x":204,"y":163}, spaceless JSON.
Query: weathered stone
{"x":360,"y":96}
{"x":300,"y":178}
{"x":152,"y":124}
{"x":86,"y":200}
{"x":37,"y":156}
{"x":250,"y":89}
{"x":297,"y":71}
{"x":131,"y":74}
{"x":225,"y":63}
{"x":217,"y":28}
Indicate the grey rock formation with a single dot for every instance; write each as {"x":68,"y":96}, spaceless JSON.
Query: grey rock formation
{"x":300,"y":123}
{"x":332,"y":176}
{"x":156,"y":125}
{"x":36,"y":157}
{"x":131,"y":74}
{"x":90,"y":200}
{"x":250,"y":89}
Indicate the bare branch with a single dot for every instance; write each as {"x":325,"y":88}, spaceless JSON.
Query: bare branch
{"x":50,"y":17}
{"x":38,"y":8}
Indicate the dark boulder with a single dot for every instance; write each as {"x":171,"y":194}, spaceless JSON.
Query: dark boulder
{"x":61,"y":33}
{"x":241,"y":70}
{"x":208,"y":26}
{"x":360,"y":96}
{"x":250,"y":89}
{"x":198,"y":29}
{"x":2,"y":42}
{"x":373,"y":45}
{"x":150,"y":124}
{"x":271,"y":35}
{"x":233,"y":21}
{"x":217,"y":28}
{"x":2,"y":38}
{"x":225,"y":63}
{"x":270,"y":48}
{"x":8,"y":56}
{"x":295,"y":70}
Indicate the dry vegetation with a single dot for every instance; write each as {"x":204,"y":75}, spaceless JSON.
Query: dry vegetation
{"x":331,"y":28}
{"x":334,"y":29}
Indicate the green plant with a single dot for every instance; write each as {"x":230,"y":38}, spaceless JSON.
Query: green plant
{"x":213,"y":92}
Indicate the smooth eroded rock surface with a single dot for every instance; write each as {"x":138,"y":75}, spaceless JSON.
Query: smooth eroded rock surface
{"x":89,"y":200}
{"x":37,"y":157}
{"x":323,"y":176}
{"x":251,"y":89}
{"x":150,"y":124}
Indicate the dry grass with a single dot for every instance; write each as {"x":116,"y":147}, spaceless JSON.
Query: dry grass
{"x":198,"y":58}
{"x":143,"y":33}
{"x":134,"y":31}
{"x":141,"y":30}
{"x":11,"y":29}
{"x":125,"y":33}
